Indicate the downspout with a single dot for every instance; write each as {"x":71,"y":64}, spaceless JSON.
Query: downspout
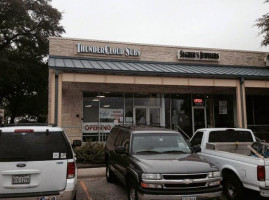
{"x":56,"y":97}
{"x":242,"y":101}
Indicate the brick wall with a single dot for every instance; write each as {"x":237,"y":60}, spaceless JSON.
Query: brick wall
{"x":67,"y":47}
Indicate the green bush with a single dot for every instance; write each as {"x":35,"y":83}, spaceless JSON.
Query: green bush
{"x":93,"y":153}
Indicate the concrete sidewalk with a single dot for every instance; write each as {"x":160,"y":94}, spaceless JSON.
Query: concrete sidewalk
{"x":91,"y":172}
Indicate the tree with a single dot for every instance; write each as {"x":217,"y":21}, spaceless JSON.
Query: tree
{"x":263,"y":24}
{"x":25,"y":28}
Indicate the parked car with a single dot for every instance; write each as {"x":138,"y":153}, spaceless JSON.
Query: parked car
{"x":157,"y":163}
{"x":229,"y":150}
{"x":36,"y":163}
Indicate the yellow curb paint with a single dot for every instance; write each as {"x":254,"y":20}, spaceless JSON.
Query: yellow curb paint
{"x":85,"y":190}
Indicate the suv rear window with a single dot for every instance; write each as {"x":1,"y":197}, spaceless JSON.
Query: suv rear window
{"x":230,"y":136}
{"x":33,"y":146}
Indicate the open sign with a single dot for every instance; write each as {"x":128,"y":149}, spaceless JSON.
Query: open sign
{"x":198,"y":102}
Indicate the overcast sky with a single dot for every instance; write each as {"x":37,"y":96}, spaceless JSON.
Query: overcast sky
{"x":226,"y":24}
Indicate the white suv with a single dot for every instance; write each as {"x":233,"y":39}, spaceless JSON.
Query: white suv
{"x":36,"y":163}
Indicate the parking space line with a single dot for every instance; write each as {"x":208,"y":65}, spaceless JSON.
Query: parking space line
{"x":85,"y":190}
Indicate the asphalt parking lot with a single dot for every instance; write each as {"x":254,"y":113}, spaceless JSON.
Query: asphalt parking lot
{"x":92,"y":185}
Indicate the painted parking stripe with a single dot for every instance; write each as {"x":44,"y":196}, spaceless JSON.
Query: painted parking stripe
{"x":85,"y":189}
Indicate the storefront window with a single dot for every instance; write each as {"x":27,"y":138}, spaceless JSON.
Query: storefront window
{"x":128,"y":109}
{"x":110,"y":112}
{"x":181,"y":112}
{"x":167,"y":111}
{"x":257,"y":115}
{"x":224,"y":111}
{"x":144,"y":99}
{"x":90,"y":116}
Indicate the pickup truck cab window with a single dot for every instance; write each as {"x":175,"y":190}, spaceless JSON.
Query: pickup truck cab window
{"x":230,"y":136}
{"x":159,"y":143}
{"x":197,"y":139}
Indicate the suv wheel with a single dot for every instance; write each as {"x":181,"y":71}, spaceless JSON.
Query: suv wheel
{"x":233,"y":187}
{"x":109,"y":174}
{"x":132,"y":191}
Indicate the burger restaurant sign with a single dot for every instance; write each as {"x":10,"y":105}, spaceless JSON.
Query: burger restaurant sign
{"x":107,"y":50}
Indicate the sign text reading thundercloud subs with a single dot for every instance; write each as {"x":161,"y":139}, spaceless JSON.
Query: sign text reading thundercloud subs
{"x":107,"y":50}
{"x":198,"y":55}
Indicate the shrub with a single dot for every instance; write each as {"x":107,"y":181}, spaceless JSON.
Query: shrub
{"x":93,"y":153}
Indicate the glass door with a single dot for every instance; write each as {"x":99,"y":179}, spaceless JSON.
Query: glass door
{"x":198,"y":118}
{"x":154,"y":116}
{"x":140,"y":116}
{"x":147,"y":115}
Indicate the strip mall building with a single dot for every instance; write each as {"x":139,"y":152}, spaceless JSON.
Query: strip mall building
{"x":94,"y":85}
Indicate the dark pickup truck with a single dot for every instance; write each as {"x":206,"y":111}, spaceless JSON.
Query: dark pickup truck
{"x":157,"y":163}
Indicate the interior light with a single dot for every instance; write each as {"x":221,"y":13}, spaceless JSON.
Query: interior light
{"x":106,"y":106}
{"x":88,"y":106}
{"x":95,"y":100}
{"x":100,"y":96}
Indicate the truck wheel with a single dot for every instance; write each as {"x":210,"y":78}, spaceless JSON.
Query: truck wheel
{"x":132,"y":191}
{"x":233,"y":187}
{"x":110,"y":177}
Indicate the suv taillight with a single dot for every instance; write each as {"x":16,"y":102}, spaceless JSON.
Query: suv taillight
{"x":71,"y":170}
{"x":261,"y":173}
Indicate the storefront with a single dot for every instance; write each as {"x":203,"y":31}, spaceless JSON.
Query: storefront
{"x":95,"y":85}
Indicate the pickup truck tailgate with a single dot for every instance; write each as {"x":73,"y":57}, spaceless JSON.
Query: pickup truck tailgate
{"x":266,"y":172}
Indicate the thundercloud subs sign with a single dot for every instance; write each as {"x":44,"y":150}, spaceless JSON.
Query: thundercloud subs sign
{"x":198,"y":55}
{"x":108,"y":50}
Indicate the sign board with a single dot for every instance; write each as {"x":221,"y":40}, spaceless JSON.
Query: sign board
{"x":93,"y":127}
{"x":107,"y":50}
{"x":106,"y":113}
{"x":198,"y":55}
{"x":198,"y":102}
{"x":223,"y":108}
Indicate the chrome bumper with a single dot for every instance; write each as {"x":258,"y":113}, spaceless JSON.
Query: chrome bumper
{"x":63,"y":195}
{"x":213,"y":195}
{"x":264,"y":192}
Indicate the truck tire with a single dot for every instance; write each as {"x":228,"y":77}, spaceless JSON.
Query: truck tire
{"x":233,"y":187}
{"x":110,"y":177}
{"x":132,"y":191}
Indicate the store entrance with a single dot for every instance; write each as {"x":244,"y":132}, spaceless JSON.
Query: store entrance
{"x":147,"y":115}
{"x":198,"y":118}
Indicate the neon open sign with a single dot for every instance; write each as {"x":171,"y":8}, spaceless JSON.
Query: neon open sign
{"x":198,"y":102}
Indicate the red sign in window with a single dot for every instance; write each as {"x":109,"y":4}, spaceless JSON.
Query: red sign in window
{"x":198,"y":101}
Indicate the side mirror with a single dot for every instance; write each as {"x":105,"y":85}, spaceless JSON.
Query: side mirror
{"x":196,"y":148}
{"x":77,"y":143}
{"x":120,"y":150}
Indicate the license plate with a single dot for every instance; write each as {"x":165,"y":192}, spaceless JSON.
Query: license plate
{"x":188,"y":198}
{"x":20,"y":179}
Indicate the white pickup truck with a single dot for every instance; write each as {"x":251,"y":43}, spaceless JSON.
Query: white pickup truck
{"x":228,"y":149}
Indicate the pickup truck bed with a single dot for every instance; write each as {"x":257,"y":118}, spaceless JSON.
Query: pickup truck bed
{"x":232,"y":147}
{"x":239,"y":168}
